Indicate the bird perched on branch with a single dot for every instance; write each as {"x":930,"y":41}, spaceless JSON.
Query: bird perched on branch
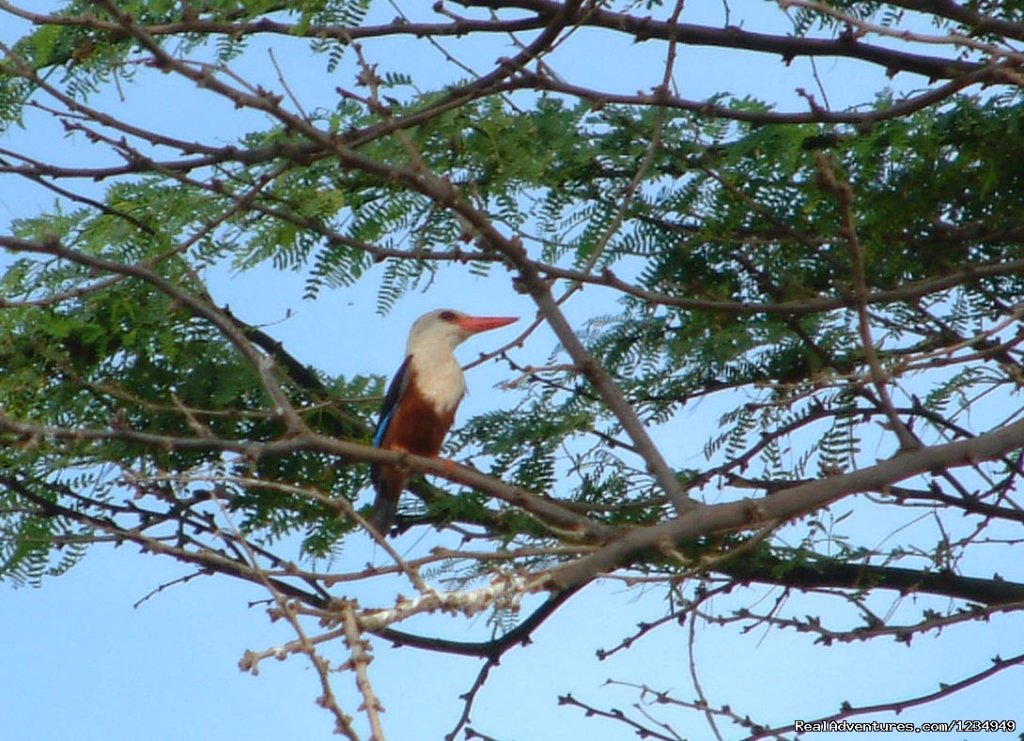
{"x":421,"y":401}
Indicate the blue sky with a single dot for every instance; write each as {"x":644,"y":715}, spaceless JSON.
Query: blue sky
{"x":80,"y":662}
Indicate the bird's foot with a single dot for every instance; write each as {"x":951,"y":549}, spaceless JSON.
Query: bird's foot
{"x":449,"y":467}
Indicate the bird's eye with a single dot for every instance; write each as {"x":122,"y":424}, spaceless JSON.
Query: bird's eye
{"x":447,"y":315}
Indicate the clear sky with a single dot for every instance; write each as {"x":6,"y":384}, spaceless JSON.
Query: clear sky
{"x":80,"y":661}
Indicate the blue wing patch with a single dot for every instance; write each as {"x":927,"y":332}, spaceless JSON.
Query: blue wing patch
{"x":395,"y":391}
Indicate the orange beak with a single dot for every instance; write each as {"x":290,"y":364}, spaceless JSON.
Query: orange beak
{"x":474,"y":324}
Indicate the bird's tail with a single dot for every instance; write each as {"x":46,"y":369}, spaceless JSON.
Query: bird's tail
{"x":388,"y":482}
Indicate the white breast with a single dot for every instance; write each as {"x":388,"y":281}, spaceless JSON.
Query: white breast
{"x":439,"y":377}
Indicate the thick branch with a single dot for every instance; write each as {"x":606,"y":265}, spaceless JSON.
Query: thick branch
{"x":794,"y":502}
{"x":644,"y":28}
{"x":821,"y":573}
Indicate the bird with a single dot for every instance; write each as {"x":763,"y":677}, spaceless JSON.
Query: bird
{"x":420,"y":404}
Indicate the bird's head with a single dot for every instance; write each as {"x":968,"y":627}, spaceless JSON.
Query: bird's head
{"x":447,"y":327}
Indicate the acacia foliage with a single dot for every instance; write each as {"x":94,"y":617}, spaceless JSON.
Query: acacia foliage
{"x":845,"y":283}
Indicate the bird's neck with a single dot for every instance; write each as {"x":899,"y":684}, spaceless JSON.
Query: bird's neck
{"x":438,"y":377}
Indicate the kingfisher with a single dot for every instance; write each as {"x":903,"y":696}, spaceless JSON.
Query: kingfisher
{"x":420,"y":404}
